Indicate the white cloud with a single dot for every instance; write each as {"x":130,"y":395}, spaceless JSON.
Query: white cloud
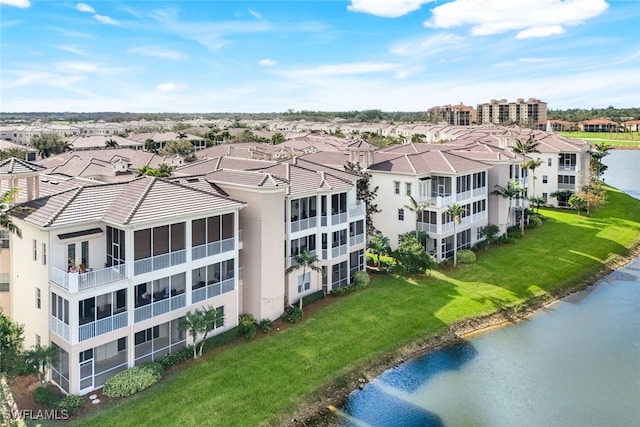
{"x":441,"y":42}
{"x":267,"y":62}
{"x":531,"y":18}
{"x":255,"y":14}
{"x":77,"y":67}
{"x":158,"y":52}
{"x":105,"y":19}
{"x":85,"y":8}
{"x":22,"y":4}
{"x":351,"y":69}
{"x":171,"y":87}
{"x":386,"y":8}
{"x":71,"y":50}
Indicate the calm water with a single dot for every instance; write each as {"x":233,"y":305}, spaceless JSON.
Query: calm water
{"x":575,"y":363}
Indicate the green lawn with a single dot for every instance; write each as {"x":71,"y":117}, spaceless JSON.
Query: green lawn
{"x":260,"y":382}
{"x":618,"y":139}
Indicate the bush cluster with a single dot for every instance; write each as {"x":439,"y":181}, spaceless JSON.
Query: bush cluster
{"x":292,"y":314}
{"x":266,"y":325}
{"x":71,"y":403}
{"x":132,"y":380}
{"x":44,"y":395}
{"x":361,"y":280}
{"x":247,"y":326}
{"x":534,"y":222}
{"x":171,"y":359}
{"x":465,"y":256}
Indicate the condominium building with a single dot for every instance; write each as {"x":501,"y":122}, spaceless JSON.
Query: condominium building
{"x":528,"y":113}
{"x":455,"y":115}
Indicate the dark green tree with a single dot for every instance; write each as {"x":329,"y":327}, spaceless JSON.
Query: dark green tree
{"x":456,"y":211}
{"x":412,"y":258}
{"x":365,"y":193}
{"x":11,"y":339}
{"x":48,"y":144}
{"x":378,"y":245}
{"x":303,"y":261}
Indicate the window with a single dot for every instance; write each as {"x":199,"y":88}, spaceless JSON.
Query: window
{"x":38,"y":340}
{"x":545,"y":196}
{"x":4,"y":239}
{"x":44,"y":254}
{"x":115,"y":246}
{"x":400,"y":214}
{"x":35,"y":250}
{"x":60,"y":308}
{"x":396,"y":187}
{"x":38,"y":298}
{"x":408,"y":188}
{"x":304,"y":282}
{"x":549,"y":161}
{"x":545,"y":179}
{"x":339,"y":275}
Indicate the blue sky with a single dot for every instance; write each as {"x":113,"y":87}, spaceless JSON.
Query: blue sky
{"x":271,"y":56}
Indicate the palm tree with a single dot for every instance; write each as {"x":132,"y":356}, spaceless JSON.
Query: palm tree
{"x":111,"y":143}
{"x":379,"y":245}
{"x":194,"y":324}
{"x":182,"y":135}
{"x":511,"y":191}
{"x":599,"y":151}
{"x":489,"y":232}
{"x":532,"y":165}
{"x":304,"y":260}
{"x":456,"y":212}
{"x":526,"y":147}
{"x":212,"y":316}
{"x":417,"y":208}
{"x":150,"y":145}
{"x":40,"y":358}
{"x":7,"y":209}
{"x":419,"y":235}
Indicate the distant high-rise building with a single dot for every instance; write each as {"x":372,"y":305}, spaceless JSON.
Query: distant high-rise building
{"x":456,"y":115}
{"x":528,"y":113}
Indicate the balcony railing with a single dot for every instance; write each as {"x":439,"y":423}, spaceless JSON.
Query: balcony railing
{"x":159,"y":262}
{"x":102,"y":326}
{"x":567,"y":167}
{"x":426,"y":227}
{"x":212,"y":290}
{"x":356,"y":240}
{"x":339,"y":218}
{"x":566,"y":186}
{"x":213,"y":248}
{"x":157,"y":308}
{"x":438,"y":201}
{"x":74,"y":282}
{"x":338,"y":251}
{"x":59,"y":327}
{"x":303,"y":224}
{"x":357,"y":210}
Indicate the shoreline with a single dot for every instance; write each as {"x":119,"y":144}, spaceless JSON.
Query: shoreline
{"x":315,"y":410}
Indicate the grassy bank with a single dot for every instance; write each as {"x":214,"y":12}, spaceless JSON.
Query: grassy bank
{"x":260,"y":382}
{"x":615,"y":139}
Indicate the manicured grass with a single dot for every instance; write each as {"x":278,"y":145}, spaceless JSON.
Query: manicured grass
{"x":259,"y":382}
{"x":618,"y":139}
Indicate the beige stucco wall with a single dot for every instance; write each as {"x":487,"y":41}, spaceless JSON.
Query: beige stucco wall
{"x":5,"y":268}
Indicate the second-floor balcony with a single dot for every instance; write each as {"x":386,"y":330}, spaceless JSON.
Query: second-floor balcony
{"x":102,"y":326}
{"x":213,"y":248}
{"x":303,"y":224}
{"x":338,"y":218}
{"x":292,"y":259}
{"x":202,"y":291}
{"x":356,"y":239}
{"x":562,"y":186}
{"x":77,"y":281}
{"x":438,"y":201}
{"x":337,"y":251}
{"x":147,"y":309}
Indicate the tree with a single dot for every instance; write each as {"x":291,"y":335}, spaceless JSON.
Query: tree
{"x":7,"y":209}
{"x":379,"y":245}
{"x":40,"y":358}
{"x":416,"y":138}
{"x":510,"y":192}
{"x":212,"y":318}
{"x":111,"y":143}
{"x":18,"y":153}
{"x":598,"y":152}
{"x":537,"y":202}
{"x":412,"y":258}
{"x":577,"y":203}
{"x":11,"y":339}
{"x":532,"y":165}
{"x":182,"y":135}
{"x":194,"y":324}
{"x":490,"y":232}
{"x":417,"y":208}
{"x":150,"y":146}
{"x":526,"y":147}
{"x":162,"y":171}
{"x":48,"y":144}
{"x":304,"y":260}
{"x":456,"y":211}
{"x":182,"y":148}
{"x":365,"y":193}
{"x":277,"y":138}
{"x":419,"y":235}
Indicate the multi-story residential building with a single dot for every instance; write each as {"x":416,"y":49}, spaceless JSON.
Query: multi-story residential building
{"x":107,"y":271}
{"x":598,"y":125}
{"x":455,"y":115}
{"x":440,"y":179}
{"x":529,"y":113}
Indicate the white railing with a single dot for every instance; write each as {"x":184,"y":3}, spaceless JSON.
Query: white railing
{"x":464,"y":195}
{"x":74,"y":282}
{"x":102,"y":326}
{"x":357,"y":210}
{"x":303,"y":224}
{"x":426,"y":227}
{"x":159,"y":262}
{"x":157,"y":308}
{"x":567,"y":167}
{"x":440,"y":201}
{"x":479,"y":216}
{"x":240,"y":241}
{"x":566,"y":186}
{"x":213,"y":290}
{"x":482,"y":191}
{"x":356,"y":240}
{"x":447,"y":227}
{"x":323,"y":220}
{"x":339,"y":218}
{"x":338,"y":251}
{"x":199,"y":295}
{"x":59,"y":327}
{"x":213,"y":248}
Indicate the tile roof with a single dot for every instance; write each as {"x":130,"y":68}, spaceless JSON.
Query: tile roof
{"x":13,"y":165}
{"x":425,"y":162}
{"x":139,"y":201}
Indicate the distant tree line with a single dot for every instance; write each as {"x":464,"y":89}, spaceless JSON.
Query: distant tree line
{"x":580,"y":114}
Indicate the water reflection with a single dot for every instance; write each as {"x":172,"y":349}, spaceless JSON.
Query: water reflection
{"x":397,"y":387}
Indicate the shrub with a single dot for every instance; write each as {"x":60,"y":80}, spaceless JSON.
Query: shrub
{"x":361,"y":280}
{"x":308,"y":299}
{"x":482,"y":244}
{"x":266,"y":325}
{"x":132,"y":380}
{"x":505,"y":239}
{"x":534,"y":222}
{"x":342,"y":291}
{"x":44,"y":395}
{"x":292,"y":314}
{"x":171,"y":359}
{"x":71,"y":403}
{"x":465,"y":256}
{"x":247,"y":326}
